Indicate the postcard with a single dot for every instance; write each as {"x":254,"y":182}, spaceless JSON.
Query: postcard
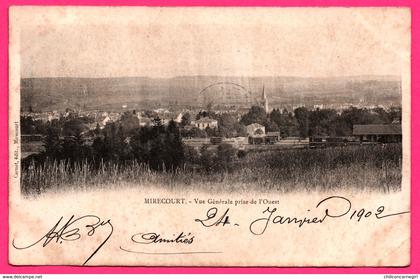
{"x":209,"y":136}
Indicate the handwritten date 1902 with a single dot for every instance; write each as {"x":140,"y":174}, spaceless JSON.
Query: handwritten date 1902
{"x":332,"y":207}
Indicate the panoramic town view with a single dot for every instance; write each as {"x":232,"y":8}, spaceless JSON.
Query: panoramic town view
{"x":269,"y":134}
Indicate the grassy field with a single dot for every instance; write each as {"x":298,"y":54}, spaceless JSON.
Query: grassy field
{"x":371,"y":168}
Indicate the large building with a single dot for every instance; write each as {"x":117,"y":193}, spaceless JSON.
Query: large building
{"x":205,"y":122}
{"x":384,"y":133}
{"x":256,"y":133}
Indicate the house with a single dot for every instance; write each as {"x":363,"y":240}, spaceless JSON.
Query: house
{"x":103,"y":119}
{"x":205,"y":122}
{"x":53,"y":115}
{"x":189,"y":127}
{"x":272,"y":137}
{"x":255,"y":129}
{"x":178,"y":118}
{"x":144,"y":121}
{"x":161,"y":111}
{"x":256,"y":133}
{"x":384,"y":133}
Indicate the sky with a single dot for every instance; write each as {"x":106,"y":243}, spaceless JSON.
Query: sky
{"x":167,"y":42}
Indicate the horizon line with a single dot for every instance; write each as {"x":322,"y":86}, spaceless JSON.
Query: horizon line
{"x":229,"y":76}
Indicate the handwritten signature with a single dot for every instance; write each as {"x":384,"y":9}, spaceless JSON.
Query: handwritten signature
{"x":70,"y":230}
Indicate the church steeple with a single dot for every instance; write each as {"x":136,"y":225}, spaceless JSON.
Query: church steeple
{"x":265,"y":101}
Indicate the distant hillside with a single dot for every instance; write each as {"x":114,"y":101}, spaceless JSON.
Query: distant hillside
{"x":45,"y":94}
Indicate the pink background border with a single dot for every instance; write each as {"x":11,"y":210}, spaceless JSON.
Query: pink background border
{"x":415,"y":145}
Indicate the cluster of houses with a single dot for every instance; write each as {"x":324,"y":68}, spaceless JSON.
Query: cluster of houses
{"x":43,"y":116}
{"x":164,"y":116}
{"x":102,"y":118}
{"x":256,"y":133}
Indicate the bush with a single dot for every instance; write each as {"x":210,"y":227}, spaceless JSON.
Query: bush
{"x":241,"y":154}
{"x":226,"y":154}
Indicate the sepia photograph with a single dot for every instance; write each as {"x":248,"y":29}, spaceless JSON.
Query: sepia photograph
{"x":209,"y":110}
{"x":197,"y":113}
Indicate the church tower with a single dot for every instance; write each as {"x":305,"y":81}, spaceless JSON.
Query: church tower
{"x":265,"y":101}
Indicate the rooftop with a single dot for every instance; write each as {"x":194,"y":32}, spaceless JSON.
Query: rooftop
{"x":255,"y":126}
{"x":273,"y":134}
{"x":377,"y":129}
{"x":205,"y":120}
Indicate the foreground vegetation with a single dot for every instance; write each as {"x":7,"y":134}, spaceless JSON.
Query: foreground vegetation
{"x":371,"y":168}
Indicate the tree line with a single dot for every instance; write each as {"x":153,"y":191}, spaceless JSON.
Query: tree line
{"x":159,"y":147}
{"x":302,"y":122}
